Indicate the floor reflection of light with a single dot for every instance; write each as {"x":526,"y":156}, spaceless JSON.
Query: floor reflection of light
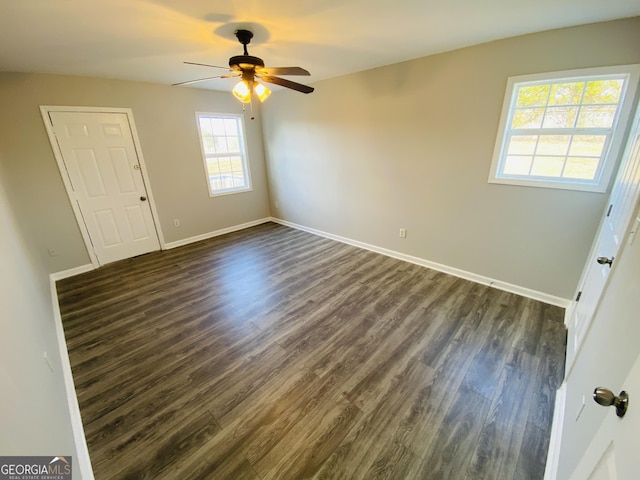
{"x":241,"y":274}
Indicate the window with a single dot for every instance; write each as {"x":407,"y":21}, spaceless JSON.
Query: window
{"x":564,"y":129}
{"x":224,"y":153}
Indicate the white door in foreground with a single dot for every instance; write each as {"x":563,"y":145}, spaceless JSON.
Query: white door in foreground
{"x":610,"y":359}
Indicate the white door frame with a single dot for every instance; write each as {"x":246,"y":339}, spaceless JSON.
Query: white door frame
{"x":44,"y":110}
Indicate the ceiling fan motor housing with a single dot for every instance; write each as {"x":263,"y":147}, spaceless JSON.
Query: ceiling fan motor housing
{"x":244,"y":62}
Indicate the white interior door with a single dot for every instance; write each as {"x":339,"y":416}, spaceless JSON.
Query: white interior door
{"x":608,"y":241}
{"x":614,"y":452}
{"x":100,"y":158}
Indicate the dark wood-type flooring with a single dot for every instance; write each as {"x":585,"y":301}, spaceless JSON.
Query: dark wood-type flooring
{"x":272,"y":353}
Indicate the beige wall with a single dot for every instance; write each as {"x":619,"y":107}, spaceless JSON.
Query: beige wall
{"x":410,"y":146}
{"x":165,"y":121}
{"x":34,"y":418}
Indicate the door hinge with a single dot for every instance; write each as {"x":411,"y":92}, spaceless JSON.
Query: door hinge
{"x":610,"y":208}
{"x":578,"y":296}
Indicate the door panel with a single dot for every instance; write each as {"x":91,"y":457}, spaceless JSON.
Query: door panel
{"x":107,"y":228}
{"x":102,"y":163}
{"x":606,"y":468}
{"x":122,"y":170}
{"x":90,"y":178}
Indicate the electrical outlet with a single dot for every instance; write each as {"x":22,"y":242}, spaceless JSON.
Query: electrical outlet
{"x":52,"y":253}
{"x":277,"y":205}
{"x":176,"y":223}
{"x":403,"y":233}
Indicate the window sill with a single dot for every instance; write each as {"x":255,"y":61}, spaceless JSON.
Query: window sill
{"x":230,"y":192}
{"x":559,"y":185}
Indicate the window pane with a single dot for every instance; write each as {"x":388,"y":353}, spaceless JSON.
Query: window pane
{"x":553,"y":145}
{"x":225,"y":164}
{"x":566,"y":93}
{"x":515,"y":165}
{"x":221,"y":144}
{"x":587,"y":145}
{"x":560,"y":117}
{"x":532,"y":96}
{"x":581,"y":168}
{"x":231,"y":127}
{"x":217,"y":125}
{"x":527,"y":118}
{"x":597,"y":117}
{"x":233,"y":144}
{"x":216,"y":183}
{"x":603,"y":91}
{"x":209,"y":146}
{"x":238,"y":180}
{"x":236,"y":164}
{"x":547,"y":166}
{"x":205,"y":126}
{"x":212,"y":167}
{"x":522,"y":144}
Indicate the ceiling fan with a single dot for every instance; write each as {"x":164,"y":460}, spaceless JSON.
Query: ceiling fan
{"x":249,"y":68}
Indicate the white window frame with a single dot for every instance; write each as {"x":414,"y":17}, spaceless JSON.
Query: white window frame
{"x":242,"y":153}
{"x":611,"y":150}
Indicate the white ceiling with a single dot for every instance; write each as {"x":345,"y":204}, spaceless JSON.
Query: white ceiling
{"x":147,"y":40}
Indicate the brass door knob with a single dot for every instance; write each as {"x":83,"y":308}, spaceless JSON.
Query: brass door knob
{"x":606,"y":398}
{"x":605,"y":261}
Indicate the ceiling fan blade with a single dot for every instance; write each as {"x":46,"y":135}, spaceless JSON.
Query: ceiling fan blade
{"x":202,"y":80}
{"x":205,"y":65}
{"x":282,"y":71}
{"x":287,"y":83}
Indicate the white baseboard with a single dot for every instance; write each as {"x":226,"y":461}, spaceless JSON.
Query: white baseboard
{"x":82,"y":451}
{"x":508,"y":287}
{"x":223,"y":231}
{"x":553,"y":455}
{"x":71,"y":272}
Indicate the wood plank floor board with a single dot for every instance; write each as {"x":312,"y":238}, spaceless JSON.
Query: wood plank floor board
{"x":457,"y":437}
{"x":355,"y":456}
{"x":110,"y":391}
{"x":488,"y":364}
{"x":532,"y":457}
{"x":273,"y":353}
{"x":499,"y":445}
{"x":393,"y":462}
{"x":418,"y":430}
{"x":548,"y":379}
{"x":312,"y":442}
{"x":459,"y":303}
{"x":171,"y":449}
{"x":452,"y":368}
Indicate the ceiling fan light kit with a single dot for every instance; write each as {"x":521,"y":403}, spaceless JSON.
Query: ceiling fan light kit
{"x":251,"y":69}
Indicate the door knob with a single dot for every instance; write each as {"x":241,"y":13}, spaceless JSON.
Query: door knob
{"x":143,"y":198}
{"x":605,"y":261}
{"x":606,"y":398}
